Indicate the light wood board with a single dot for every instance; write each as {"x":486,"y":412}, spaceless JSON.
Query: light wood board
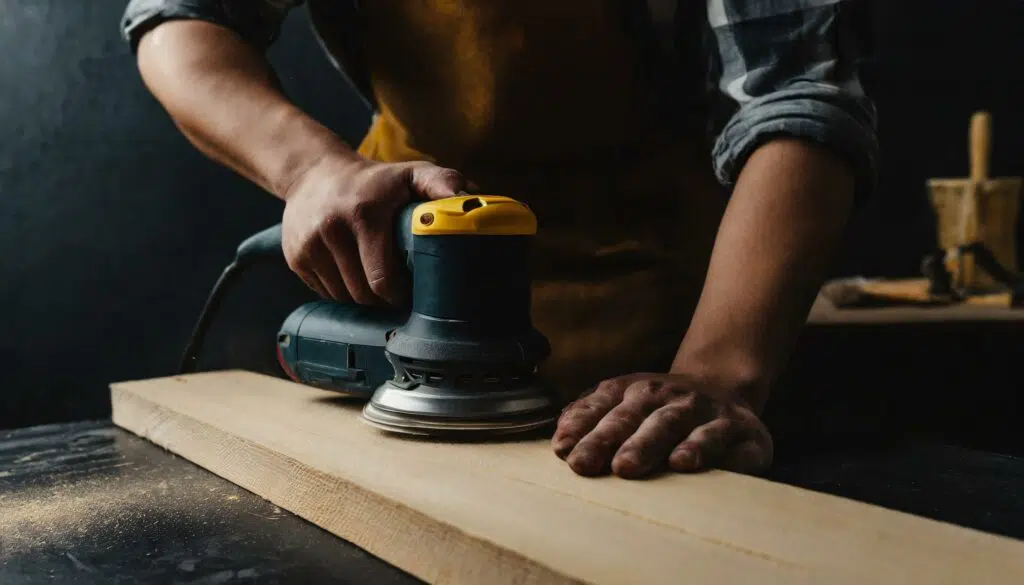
{"x":512,"y":513}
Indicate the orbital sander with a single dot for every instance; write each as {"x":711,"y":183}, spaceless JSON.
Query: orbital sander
{"x":461,"y":360}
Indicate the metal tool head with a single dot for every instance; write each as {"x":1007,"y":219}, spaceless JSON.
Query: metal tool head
{"x":436,"y":411}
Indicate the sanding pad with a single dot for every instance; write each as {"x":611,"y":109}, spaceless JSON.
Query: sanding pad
{"x":428,"y":411}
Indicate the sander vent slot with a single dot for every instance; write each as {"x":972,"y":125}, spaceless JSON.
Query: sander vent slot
{"x":466,"y":377}
{"x":425,"y":376}
{"x":471,"y":204}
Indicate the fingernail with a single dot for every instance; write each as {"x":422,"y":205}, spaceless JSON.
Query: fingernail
{"x":584,"y":465}
{"x":687,"y":459}
{"x":563,"y":447}
{"x":628,"y":466}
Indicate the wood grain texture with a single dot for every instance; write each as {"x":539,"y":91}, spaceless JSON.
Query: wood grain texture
{"x":513,"y":513}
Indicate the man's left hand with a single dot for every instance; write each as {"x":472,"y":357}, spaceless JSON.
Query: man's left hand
{"x":639,"y":424}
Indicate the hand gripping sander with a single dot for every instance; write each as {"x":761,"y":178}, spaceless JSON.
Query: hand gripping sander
{"x":461,"y":360}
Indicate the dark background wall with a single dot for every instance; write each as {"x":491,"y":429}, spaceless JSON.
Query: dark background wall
{"x":937,"y":62}
{"x":112,"y":227}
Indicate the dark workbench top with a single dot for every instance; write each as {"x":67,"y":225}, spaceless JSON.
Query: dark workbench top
{"x":88,"y":503}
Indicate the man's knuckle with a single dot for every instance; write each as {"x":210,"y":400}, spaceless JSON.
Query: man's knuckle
{"x":296,"y":263}
{"x":685,"y":401}
{"x":623,"y":418}
{"x":589,"y":400}
{"x":376,"y":274}
{"x":633,"y":391}
{"x":609,"y":389}
{"x":583,"y":406}
{"x":741,"y":414}
{"x":569,"y":422}
{"x":377,"y":279}
{"x":755,"y":432}
{"x":701,"y":404}
{"x":671,"y":415}
{"x":303,"y":256}
{"x":648,"y":387}
{"x":363,"y":211}
{"x":572,"y":422}
{"x":598,"y":442}
{"x":678,"y":390}
{"x":726,"y":427}
{"x":326,"y":229}
{"x":448,"y":175}
{"x":639,"y":391}
{"x":715,"y":437}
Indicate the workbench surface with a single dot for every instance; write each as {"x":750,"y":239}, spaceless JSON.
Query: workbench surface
{"x":89,"y":503}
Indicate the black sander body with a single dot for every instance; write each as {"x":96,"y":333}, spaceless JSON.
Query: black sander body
{"x":461,"y":360}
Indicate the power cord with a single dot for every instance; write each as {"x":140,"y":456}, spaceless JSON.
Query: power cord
{"x":258,"y":248}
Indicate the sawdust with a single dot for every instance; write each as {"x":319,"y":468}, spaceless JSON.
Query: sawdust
{"x":33,"y":518}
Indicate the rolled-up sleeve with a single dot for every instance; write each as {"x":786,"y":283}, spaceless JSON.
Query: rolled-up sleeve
{"x":790,"y":69}
{"x":256,"y":21}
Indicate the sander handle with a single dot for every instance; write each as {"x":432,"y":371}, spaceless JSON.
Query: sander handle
{"x":265,"y":246}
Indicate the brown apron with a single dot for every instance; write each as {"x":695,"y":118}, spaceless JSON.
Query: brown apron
{"x":544,"y":101}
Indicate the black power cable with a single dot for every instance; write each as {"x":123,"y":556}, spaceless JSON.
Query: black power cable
{"x":260,"y":247}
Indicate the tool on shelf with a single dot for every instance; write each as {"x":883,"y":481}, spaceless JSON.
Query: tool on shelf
{"x":980,"y":210}
{"x":975,"y":259}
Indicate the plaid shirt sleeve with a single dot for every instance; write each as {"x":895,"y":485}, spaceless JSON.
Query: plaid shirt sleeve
{"x":789,"y":68}
{"x":256,"y":21}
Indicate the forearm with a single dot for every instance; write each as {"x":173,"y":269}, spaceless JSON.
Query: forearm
{"x":784,"y":221}
{"x":223,"y":96}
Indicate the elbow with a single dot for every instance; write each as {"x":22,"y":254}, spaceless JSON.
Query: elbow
{"x":840,"y":119}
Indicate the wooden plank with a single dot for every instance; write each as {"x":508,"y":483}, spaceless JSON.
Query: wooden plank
{"x":512,"y":512}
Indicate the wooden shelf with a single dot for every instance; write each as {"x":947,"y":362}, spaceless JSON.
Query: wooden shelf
{"x":824,"y":313}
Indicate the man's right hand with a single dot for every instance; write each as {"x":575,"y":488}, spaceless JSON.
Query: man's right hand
{"x":338,"y":226}
{"x":337,"y":230}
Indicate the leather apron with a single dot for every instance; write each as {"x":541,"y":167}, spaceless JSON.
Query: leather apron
{"x":547,"y":102}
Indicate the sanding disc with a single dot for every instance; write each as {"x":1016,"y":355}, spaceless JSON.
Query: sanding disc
{"x":407,"y":424}
{"x":433,"y":411}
